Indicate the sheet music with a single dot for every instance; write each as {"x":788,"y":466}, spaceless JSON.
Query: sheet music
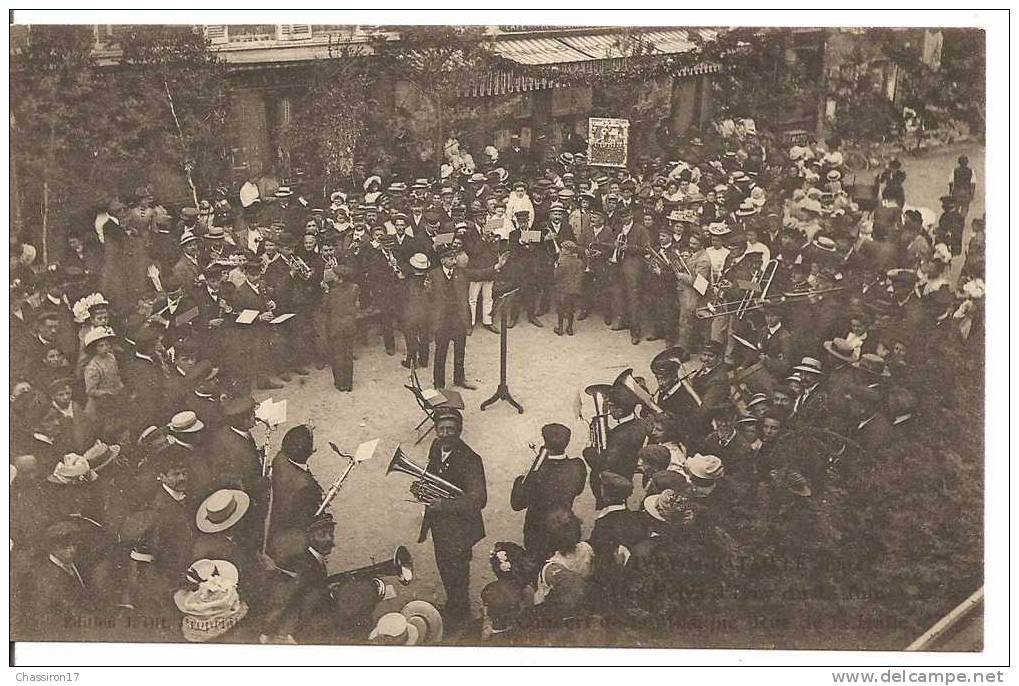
{"x":271,"y":412}
{"x":247,"y":316}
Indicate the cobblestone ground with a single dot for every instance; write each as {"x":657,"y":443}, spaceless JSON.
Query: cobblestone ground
{"x":374,"y":512}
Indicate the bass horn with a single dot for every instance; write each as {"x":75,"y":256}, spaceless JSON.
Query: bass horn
{"x":628,"y":381}
{"x":400,"y":565}
{"x":428,"y":488}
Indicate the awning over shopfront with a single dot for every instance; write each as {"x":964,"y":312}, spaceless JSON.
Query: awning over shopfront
{"x":581,"y":52}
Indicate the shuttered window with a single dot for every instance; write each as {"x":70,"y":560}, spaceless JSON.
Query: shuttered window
{"x":293,"y":31}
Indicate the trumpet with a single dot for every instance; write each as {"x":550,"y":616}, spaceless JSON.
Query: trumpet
{"x":298,"y":267}
{"x":539,"y":459}
{"x":429,"y":488}
{"x":394,"y":265}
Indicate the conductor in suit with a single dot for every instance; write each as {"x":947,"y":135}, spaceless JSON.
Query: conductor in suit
{"x":554,"y":485}
{"x":451,"y":317}
{"x":455,"y":524}
{"x":296,"y":495}
{"x":622,"y":444}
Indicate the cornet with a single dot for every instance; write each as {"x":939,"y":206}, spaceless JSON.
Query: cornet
{"x":429,"y":488}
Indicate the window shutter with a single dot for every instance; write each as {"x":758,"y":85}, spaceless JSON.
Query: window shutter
{"x":293,"y":31}
{"x":217,"y":34}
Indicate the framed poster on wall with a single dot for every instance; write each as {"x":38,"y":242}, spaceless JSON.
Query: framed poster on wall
{"x":607,"y":141}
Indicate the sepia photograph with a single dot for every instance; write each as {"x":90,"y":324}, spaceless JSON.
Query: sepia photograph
{"x":499,"y":336}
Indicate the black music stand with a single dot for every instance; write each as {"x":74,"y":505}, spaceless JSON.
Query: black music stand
{"x":503,"y":392}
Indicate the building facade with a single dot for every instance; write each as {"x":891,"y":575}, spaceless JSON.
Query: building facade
{"x":271,"y":66}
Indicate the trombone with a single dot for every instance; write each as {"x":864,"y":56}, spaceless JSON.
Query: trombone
{"x":733,"y":306}
{"x":429,"y":488}
{"x":765,"y":275}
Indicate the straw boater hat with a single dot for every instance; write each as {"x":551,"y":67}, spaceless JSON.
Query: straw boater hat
{"x":417,"y":623}
{"x":840,"y":349}
{"x":185,"y":423}
{"x":809,"y":365}
{"x":221,"y":510}
{"x":825,"y":244}
{"x":426,"y":619}
{"x":706,"y":467}
{"x":872,"y":363}
{"x":719,"y":229}
{"x":393,"y":629}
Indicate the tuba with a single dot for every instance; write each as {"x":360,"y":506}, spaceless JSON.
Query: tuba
{"x":627,"y":380}
{"x":400,"y":565}
{"x":599,"y":431}
{"x":428,"y":488}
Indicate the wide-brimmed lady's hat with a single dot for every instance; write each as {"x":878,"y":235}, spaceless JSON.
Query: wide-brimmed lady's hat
{"x":221,"y":510}
{"x":99,"y":333}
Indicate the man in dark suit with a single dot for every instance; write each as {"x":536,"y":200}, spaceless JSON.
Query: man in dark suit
{"x":629,"y":272}
{"x":451,"y":317}
{"x":232,"y":449}
{"x":248,"y":345}
{"x":296,"y":494}
{"x":143,"y":375}
{"x":711,"y":382}
{"x":174,"y":506}
{"x":623,"y":442}
{"x":614,"y":526}
{"x":73,"y":427}
{"x":553,"y":486}
{"x":456,"y":525}
{"x":671,"y":395}
{"x":311,"y":607}
{"x":52,"y":591}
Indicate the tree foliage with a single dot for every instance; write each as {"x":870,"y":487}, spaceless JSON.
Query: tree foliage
{"x":757,"y":80}
{"x":86,"y":128}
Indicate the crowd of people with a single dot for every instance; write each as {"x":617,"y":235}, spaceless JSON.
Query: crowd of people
{"x":786,"y":303}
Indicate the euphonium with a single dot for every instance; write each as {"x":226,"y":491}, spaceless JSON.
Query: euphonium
{"x":599,"y":432}
{"x":428,"y":488}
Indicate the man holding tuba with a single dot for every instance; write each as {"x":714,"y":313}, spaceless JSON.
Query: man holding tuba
{"x":623,"y":441}
{"x":455,"y":524}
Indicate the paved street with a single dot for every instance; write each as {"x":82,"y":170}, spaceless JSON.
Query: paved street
{"x":927,"y":180}
{"x":374,"y":511}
